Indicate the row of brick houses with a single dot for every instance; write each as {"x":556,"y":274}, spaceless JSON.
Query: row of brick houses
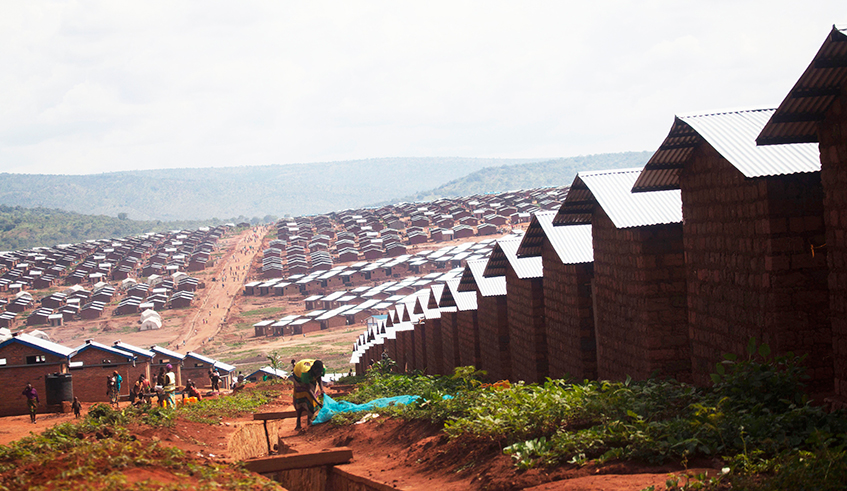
{"x":25,"y":358}
{"x":734,"y":229}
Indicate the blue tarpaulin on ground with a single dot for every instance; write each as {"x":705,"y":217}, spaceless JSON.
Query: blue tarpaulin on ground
{"x":331,"y":407}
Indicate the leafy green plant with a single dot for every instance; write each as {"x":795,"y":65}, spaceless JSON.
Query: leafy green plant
{"x":211,"y":411}
{"x":756,"y":409}
{"x":761,"y":382}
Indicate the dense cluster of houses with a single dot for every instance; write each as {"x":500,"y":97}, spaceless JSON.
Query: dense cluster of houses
{"x":308,"y":244}
{"x":60,"y":373}
{"x":736,"y":228}
{"x":84,"y":272}
{"x":332,"y":298}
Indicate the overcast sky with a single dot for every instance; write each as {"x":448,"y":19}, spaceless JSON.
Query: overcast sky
{"x":89,"y":87}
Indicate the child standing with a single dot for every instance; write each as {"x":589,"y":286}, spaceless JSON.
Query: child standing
{"x":77,"y":407}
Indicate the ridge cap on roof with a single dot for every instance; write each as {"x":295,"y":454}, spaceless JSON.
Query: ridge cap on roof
{"x":607,"y":172}
{"x":722,"y":111}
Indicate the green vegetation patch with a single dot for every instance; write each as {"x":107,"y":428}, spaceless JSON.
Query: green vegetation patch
{"x":755,"y":418}
{"x":265,"y":312}
{"x":213,"y":410}
{"x":98,"y":451}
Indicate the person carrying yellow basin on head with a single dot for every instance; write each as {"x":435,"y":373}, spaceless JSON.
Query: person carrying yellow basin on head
{"x":307,"y":379}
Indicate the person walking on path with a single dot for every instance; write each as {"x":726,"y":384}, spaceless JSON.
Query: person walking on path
{"x":32,"y":400}
{"x":307,"y":380}
{"x":170,"y":387}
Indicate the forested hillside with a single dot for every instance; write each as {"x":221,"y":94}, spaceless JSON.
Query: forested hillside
{"x":200,"y":194}
{"x":556,"y":172}
{"x":24,"y":228}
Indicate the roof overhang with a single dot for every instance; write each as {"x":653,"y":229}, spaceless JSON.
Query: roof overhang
{"x":796,"y":119}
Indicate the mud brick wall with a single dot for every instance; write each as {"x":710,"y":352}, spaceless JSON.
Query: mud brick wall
{"x":527,"y":334}
{"x":434,"y":347}
{"x":469,"y":353}
{"x":391,"y":348}
{"x":143,"y":367}
{"x":409,"y":349}
{"x":639,"y":300}
{"x":420,"y":347}
{"x":400,"y":352}
{"x":751,"y":271}
{"x":450,"y":341}
{"x":197,"y":374}
{"x":571,"y":344}
{"x":832,"y":133}
{"x":16,"y":373}
{"x":494,"y":350}
{"x":90,"y":378}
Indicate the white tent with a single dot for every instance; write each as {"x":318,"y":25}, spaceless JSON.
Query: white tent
{"x":150,"y":319}
{"x":128,"y":283}
{"x":5,"y":334}
{"x":39,"y":334}
{"x":150,"y":324}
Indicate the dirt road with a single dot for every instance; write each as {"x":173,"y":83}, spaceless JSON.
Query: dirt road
{"x":229,"y":277}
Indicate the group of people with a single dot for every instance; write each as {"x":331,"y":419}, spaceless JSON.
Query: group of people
{"x":307,"y":376}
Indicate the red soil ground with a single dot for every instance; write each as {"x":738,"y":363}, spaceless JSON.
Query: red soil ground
{"x":401,"y":454}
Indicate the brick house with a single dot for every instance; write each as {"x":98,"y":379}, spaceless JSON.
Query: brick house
{"x":92,"y":363}
{"x":465,"y":321}
{"x":524,"y":308}
{"x":567,"y":258}
{"x":815,"y":111}
{"x":752,"y":216}
{"x":25,"y":358}
{"x":161,"y":358}
{"x":639,"y":274}
{"x":143,"y":360}
{"x":196,"y":367}
{"x":449,"y":326}
{"x":427,"y":306}
{"x":492,"y":319}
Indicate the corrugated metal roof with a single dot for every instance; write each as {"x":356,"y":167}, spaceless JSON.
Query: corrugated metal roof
{"x":435,"y":297}
{"x":612,"y":190}
{"x":795,"y":120}
{"x":134,"y":349}
{"x":731,"y":134}
{"x":464,"y":301}
{"x":524,"y":268}
{"x":200,"y":357}
{"x":110,"y":349}
{"x":473,"y":279}
{"x":224,"y":367}
{"x":572,"y":244}
{"x":167,"y":352}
